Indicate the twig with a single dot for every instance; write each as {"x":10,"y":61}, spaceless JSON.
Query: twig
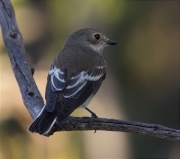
{"x":33,"y":100}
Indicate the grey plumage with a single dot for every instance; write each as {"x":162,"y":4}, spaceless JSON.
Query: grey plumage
{"x":74,"y":78}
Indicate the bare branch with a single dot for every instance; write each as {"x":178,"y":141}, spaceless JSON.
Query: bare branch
{"x":87,"y":123}
{"x":13,"y":40}
{"x":33,"y":100}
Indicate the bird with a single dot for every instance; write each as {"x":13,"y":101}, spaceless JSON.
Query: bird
{"x":74,"y":78}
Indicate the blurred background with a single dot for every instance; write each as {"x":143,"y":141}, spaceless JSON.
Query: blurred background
{"x":142,"y":81}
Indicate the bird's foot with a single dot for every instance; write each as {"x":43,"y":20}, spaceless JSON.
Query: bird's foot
{"x":93,"y":115}
{"x":91,"y":120}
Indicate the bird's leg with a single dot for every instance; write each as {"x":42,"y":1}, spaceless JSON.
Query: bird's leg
{"x":93,"y":115}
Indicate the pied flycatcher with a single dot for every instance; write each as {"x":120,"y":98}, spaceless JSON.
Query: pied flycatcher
{"x":74,"y":78}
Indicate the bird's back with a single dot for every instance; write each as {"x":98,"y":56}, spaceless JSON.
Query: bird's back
{"x":79,"y":58}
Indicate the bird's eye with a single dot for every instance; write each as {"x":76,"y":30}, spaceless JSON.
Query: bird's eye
{"x":97,"y":36}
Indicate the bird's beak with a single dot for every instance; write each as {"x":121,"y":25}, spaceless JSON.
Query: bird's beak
{"x":111,"y":42}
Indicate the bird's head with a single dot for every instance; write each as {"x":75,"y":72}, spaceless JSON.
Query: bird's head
{"x":90,"y":38}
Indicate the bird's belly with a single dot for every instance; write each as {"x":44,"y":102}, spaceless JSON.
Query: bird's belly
{"x":86,"y":103}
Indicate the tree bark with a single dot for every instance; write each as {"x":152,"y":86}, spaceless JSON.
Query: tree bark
{"x":14,"y":44}
{"x":33,"y":100}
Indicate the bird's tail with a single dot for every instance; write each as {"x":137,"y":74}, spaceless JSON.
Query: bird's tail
{"x":43,"y":122}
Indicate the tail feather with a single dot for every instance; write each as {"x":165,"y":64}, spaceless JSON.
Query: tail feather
{"x":44,"y":122}
{"x":47,"y":121}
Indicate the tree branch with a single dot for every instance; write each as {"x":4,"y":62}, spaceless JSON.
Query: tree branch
{"x":33,"y":100}
{"x":86,"y":123}
{"x":13,"y":40}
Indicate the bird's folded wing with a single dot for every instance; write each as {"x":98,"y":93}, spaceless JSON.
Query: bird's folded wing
{"x":56,"y":82}
{"x":81,"y":86}
{"x":79,"y":80}
{"x":76,"y":91}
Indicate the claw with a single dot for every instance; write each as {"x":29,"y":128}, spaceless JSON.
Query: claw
{"x":93,"y":116}
{"x":91,"y":120}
